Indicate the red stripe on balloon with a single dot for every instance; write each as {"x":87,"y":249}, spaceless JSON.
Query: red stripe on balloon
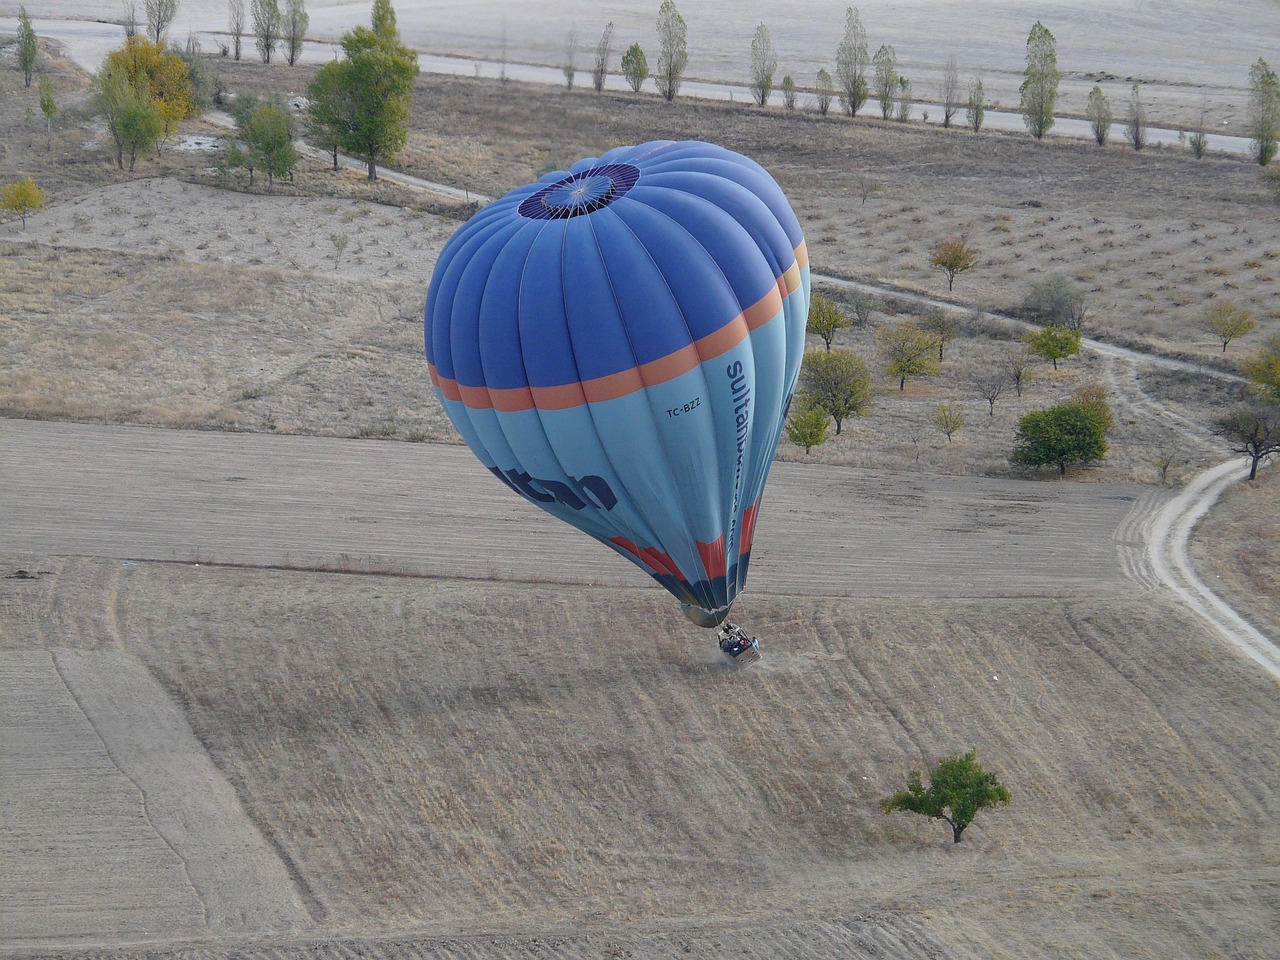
{"x":713,"y":558}
{"x":652,"y":557}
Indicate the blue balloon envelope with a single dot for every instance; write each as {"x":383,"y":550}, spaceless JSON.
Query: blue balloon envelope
{"x":619,"y":344}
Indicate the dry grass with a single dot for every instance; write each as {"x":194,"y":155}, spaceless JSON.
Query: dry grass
{"x":1237,"y":548}
{"x":442,"y":756}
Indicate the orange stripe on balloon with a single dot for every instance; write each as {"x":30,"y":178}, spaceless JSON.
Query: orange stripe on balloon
{"x":713,"y":558}
{"x":625,"y":382}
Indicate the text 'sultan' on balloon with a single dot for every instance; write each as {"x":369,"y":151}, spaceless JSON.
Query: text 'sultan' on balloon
{"x":619,"y":344}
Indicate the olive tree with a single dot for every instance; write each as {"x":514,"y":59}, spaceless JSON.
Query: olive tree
{"x":1264,"y":112}
{"x":764,"y":64}
{"x":1098,"y":113}
{"x":673,"y":53}
{"x":851,"y":63}
{"x":838,"y":381}
{"x":1039,"y":88}
{"x":1053,"y":343}
{"x":959,"y":789}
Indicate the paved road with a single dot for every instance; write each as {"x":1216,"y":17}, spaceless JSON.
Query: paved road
{"x":173,"y":495}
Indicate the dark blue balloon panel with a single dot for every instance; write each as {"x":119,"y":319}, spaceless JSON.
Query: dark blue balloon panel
{"x":619,"y":343}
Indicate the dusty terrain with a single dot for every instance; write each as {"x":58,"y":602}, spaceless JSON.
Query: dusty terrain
{"x":470,"y":760}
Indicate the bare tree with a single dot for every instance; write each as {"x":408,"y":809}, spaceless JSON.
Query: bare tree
{"x":296,"y":22}
{"x":863,"y":305}
{"x":1098,"y":113}
{"x":235,"y":24}
{"x":1253,"y":431}
{"x":604,"y":48}
{"x":1165,"y":458}
{"x":851,"y":63}
{"x":950,"y":91}
{"x":130,"y":20}
{"x":570,"y":65}
{"x":764,"y":64}
{"x":160,"y":14}
{"x":943,"y":326}
{"x":866,"y":186}
{"x":266,"y":27}
{"x":989,"y":386}
{"x":1017,"y":365}
{"x":1135,"y":128}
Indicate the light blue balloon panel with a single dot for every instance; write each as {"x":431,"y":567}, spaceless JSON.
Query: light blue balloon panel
{"x":619,"y":345}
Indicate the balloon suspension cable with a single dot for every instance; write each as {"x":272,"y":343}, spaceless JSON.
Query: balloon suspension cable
{"x":738,"y":647}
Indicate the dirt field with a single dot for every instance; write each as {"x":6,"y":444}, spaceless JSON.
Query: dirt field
{"x":472,"y":762}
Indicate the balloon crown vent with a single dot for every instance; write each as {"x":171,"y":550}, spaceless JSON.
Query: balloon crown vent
{"x":581,"y":193}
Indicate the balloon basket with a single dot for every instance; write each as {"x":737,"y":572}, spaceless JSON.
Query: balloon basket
{"x":738,"y":648}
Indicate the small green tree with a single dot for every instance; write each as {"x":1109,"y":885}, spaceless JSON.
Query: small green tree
{"x":28,"y":48}
{"x":635,"y":67}
{"x":959,"y":789}
{"x":975,"y":111}
{"x":807,"y":426}
{"x":885,"y":84}
{"x":1198,"y":142}
{"x":267,"y":22}
{"x":1053,"y":343}
{"x":1135,"y":127}
{"x":907,"y":351}
{"x":1252,"y":430}
{"x":1263,"y":370}
{"x":851,"y":63}
{"x":133,"y":117}
{"x":824,"y":91}
{"x":764,"y":64}
{"x":952,"y":255}
{"x":825,"y":318}
{"x":1040,"y":81}
{"x":294,"y":29}
{"x":1067,"y":434}
{"x":1098,"y":113}
{"x":673,"y":53}
{"x":948,"y":419}
{"x":1092,"y":398}
{"x":789,"y":92}
{"x":838,"y":381}
{"x":22,"y":197}
{"x":1225,"y":320}
{"x":1264,"y":112}
{"x":328,"y":109}
{"x":942,"y":326}
{"x":269,"y":136}
{"x":49,"y":107}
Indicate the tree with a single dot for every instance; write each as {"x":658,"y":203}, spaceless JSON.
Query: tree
{"x":1053,"y":343}
{"x":957,"y":784}
{"x":377,"y":83}
{"x":948,"y":419}
{"x":952,"y":256}
{"x":1264,"y":112}
{"x":570,"y":65}
{"x":328,"y":109}
{"x":1135,"y":127}
{"x":949,"y":93}
{"x":22,"y":197}
{"x":1098,"y":113}
{"x":266,"y":27}
{"x":49,"y":107}
{"x":130,"y":21}
{"x":866,"y":185}
{"x":863,"y":305}
{"x":807,"y":426}
{"x":1198,"y":142}
{"x":789,"y":92}
{"x":1018,"y":367}
{"x":28,"y":48}
{"x":1251,"y":430}
{"x":159,"y":14}
{"x":825,"y":318}
{"x":1263,"y":370}
{"x":1057,"y":300}
{"x":989,"y":386}
{"x":1226,"y":320}
{"x":235,"y":25}
{"x":269,"y":135}
{"x":132,"y":116}
{"x":1040,"y":81}
{"x":1093,"y":400}
{"x":673,"y":53}
{"x":296,"y":21}
{"x":838,"y":381}
{"x":1067,"y":434}
{"x":885,"y":83}
{"x":975,"y":110}
{"x":635,"y":67}
{"x":764,"y":64}
{"x":851,"y":63}
{"x":942,"y":326}
{"x":825,"y":89}
{"x":163,"y":76}
{"x":902,"y":105}
{"x":604,"y":49}
{"x":908,"y":351}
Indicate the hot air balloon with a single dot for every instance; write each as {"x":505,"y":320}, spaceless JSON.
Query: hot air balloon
{"x":619,"y":344}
